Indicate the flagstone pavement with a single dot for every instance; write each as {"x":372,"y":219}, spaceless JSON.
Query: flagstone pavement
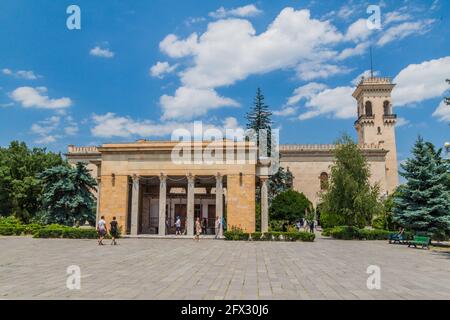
{"x":215,"y":269}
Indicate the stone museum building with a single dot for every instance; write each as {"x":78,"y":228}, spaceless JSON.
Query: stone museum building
{"x":141,"y":185}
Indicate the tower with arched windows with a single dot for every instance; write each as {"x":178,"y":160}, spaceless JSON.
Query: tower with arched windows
{"x":376,"y":122}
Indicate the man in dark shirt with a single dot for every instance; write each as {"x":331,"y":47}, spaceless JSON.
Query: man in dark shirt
{"x":113,"y":231}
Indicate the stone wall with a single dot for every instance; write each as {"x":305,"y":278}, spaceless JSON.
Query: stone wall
{"x":114,"y":199}
{"x":241,"y":202}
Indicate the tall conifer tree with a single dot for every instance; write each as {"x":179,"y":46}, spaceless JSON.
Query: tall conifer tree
{"x":423,"y":203}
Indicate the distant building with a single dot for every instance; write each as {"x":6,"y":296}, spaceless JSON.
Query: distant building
{"x":141,"y":185}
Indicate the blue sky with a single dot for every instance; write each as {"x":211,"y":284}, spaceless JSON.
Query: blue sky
{"x":139,"y":69}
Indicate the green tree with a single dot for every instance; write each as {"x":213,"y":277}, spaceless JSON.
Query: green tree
{"x":290,"y":206}
{"x":385,"y":219}
{"x":279,"y":182}
{"x":259,"y":118}
{"x":423,"y":205}
{"x":19,"y":186}
{"x":350,"y":199}
{"x":67,"y":196}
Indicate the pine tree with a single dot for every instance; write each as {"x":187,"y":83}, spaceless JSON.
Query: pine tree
{"x":350,"y":199}
{"x":423,"y":203}
{"x":67,"y":195}
{"x":259,"y":118}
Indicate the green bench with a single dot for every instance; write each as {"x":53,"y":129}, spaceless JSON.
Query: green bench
{"x":420,"y":241}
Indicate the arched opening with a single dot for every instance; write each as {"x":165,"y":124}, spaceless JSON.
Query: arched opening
{"x":323,"y":181}
{"x":386,"y":108}
{"x":369,"y":109}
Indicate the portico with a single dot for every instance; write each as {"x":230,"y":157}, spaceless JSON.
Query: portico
{"x":146,"y":190}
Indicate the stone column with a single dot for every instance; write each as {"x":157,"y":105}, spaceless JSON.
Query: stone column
{"x":162,"y":204}
{"x":134,"y":206}
{"x":190,"y":205}
{"x":99,"y":186}
{"x":264,"y":205}
{"x":219,"y":201}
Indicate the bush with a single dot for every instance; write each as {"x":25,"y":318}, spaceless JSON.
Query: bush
{"x":345,"y":233}
{"x":59,"y":231}
{"x":270,"y":236}
{"x":256,"y":236}
{"x":353,"y":233}
{"x":236,"y":234}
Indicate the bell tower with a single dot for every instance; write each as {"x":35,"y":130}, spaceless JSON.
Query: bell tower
{"x":376,"y":122}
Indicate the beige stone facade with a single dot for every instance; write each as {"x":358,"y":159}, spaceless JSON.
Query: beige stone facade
{"x":141,"y":185}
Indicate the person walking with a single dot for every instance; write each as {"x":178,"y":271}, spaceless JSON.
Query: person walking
{"x":204,"y":224}
{"x":113,"y":231}
{"x":198,"y":229}
{"x":178,"y":226}
{"x":311,"y":226}
{"x":218,"y":226}
{"x":101,"y":230}
{"x":167,"y":226}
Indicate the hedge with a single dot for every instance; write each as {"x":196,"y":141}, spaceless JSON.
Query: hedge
{"x":353,"y":233}
{"x":58,"y":231}
{"x":269,"y":236}
{"x":10,"y":226}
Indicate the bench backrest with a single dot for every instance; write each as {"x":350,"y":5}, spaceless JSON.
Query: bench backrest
{"x":422,"y":239}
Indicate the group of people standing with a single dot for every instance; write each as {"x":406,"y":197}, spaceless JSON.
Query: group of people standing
{"x":200,"y":227}
{"x":305,"y":225}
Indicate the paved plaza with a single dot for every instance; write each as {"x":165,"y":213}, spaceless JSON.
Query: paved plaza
{"x":214,"y":269}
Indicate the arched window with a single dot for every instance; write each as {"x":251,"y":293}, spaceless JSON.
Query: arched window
{"x":369,"y":109}
{"x":323,"y":181}
{"x":386,"y":108}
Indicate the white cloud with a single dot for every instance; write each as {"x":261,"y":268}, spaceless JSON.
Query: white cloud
{"x":71,"y":130}
{"x":442,"y":112}
{"x":6,"y":105}
{"x":189,"y":102}
{"x":419,"y":82}
{"x":401,"y":122}
{"x":358,"y":31}
{"x":246,"y":11}
{"x":305,"y":92}
{"x":44,"y":129}
{"x":396,"y":16}
{"x":176,"y":48}
{"x":365,"y":74}
{"x":111,"y":125}
{"x":21,"y":74}
{"x":337,"y":102}
{"x":346,"y":11}
{"x":230,"y":50}
{"x":35,"y":97}
{"x":46,"y":139}
{"x":285,"y":112}
{"x":358,"y":50}
{"x":403,"y":30}
{"x":101,"y":52}
{"x":161,"y":68}
{"x":317,"y":70}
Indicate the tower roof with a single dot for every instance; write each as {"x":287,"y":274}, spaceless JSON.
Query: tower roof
{"x":373,"y":84}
